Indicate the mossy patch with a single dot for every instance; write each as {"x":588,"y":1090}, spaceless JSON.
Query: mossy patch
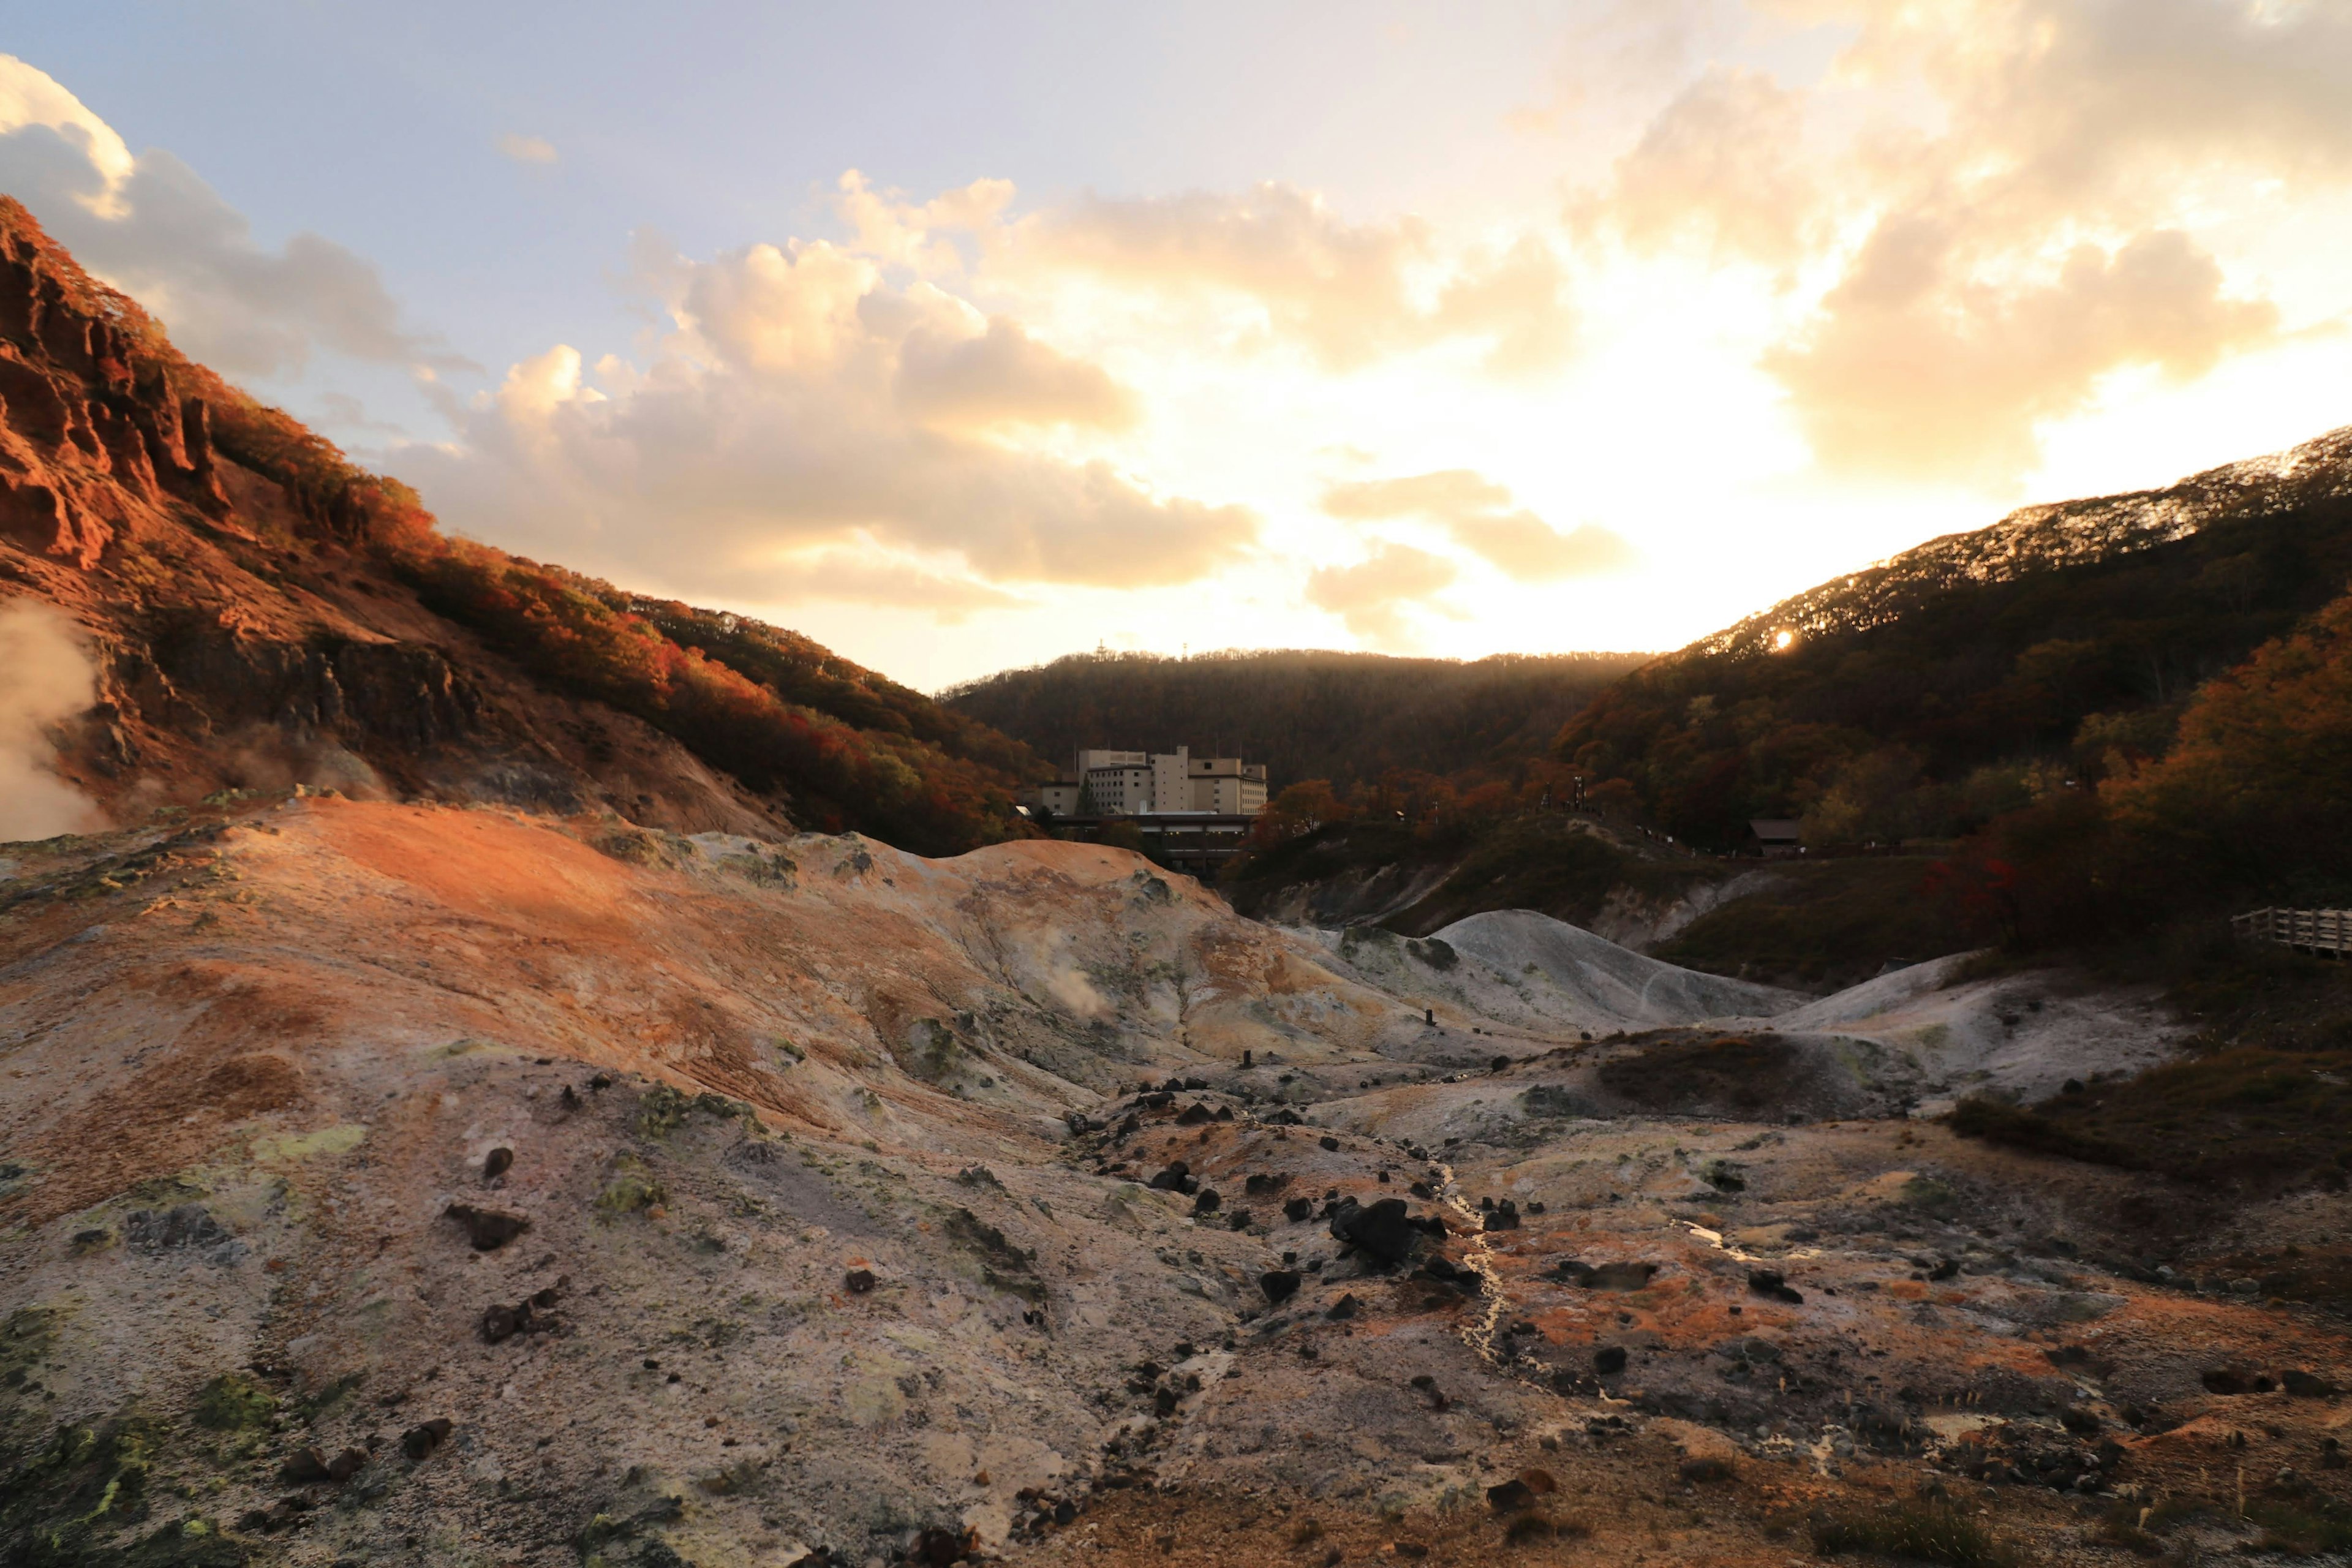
{"x":661,"y":1111}
{"x":235,"y":1402}
{"x":338,"y":1140}
{"x":632,"y":1190}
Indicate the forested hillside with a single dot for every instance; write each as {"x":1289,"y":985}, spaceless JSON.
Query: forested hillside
{"x":2083,"y":723}
{"x":1979,"y":673}
{"x":1345,"y":718}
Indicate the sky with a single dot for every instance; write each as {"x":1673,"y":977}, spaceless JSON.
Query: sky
{"x":961,"y":337}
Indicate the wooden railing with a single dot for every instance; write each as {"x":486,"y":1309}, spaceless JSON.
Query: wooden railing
{"x":2317,"y":931}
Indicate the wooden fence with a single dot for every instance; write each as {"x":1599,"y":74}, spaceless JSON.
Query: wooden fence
{"x":2315,"y":931}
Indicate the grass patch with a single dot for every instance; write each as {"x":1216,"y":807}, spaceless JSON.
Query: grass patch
{"x":1824,"y":925}
{"x":1917,"y":1532}
{"x":2249,"y":1117}
{"x":2317,"y":1529}
{"x":1735,"y":1073}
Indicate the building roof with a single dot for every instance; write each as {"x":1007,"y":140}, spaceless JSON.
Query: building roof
{"x":1774,"y":829}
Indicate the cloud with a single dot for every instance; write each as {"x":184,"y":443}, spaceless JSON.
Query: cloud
{"x":800,"y":402}
{"x":884,"y":223}
{"x":152,"y":227}
{"x":1004,"y":377}
{"x":2007,"y":199}
{"x":1370,"y":596}
{"x":527,"y":149}
{"x":50,"y":679}
{"x":1350,"y":293}
{"x":1722,"y":165}
{"x":1476,"y":511}
{"x":1447,"y":494}
{"x":863,"y":575}
{"x":1918,"y":367}
{"x":2074,"y":103}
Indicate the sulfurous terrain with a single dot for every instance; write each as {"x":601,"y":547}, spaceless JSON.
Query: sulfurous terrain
{"x":415,"y":1183}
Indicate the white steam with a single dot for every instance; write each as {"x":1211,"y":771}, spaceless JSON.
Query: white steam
{"x":45,"y":676}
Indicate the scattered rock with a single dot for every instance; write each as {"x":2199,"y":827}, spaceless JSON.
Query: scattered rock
{"x":1206,"y":1200}
{"x":1279,"y":1284}
{"x":189,"y":1226}
{"x":1771,"y":1285}
{"x":304,"y":1467}
{"x":489,"y":1229}
{"x":1379,"y":1228}
{"x":423,"y":1438}
{"x":1605,"y":1276}
{"x":2305,"y":1385}
{"x":499,"y":1161}
{"x":1298,"y":1209}
{"x":532,"y":1315}
{"x":1194,"y":1114}
{"x":1345,"y":1307}
{"x":1513,"y":1496}
{"x":1329,"y":1143}
{"x":308,"y":1466}
{"x":1609,"y":1360}
{"x":858,"y":1281}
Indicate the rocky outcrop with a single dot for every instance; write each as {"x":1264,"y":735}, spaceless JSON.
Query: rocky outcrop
{"x":246,"y":631}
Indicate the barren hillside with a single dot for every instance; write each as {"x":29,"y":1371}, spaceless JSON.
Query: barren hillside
{"x":402,"y":1184}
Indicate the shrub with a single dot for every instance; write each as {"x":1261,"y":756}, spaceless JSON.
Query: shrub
{"x":1921,"y":1531}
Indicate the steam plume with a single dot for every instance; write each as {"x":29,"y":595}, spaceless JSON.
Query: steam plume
{"x":46,"y":675}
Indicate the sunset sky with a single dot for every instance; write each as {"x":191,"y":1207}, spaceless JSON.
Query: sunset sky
{"x":960,"y":337}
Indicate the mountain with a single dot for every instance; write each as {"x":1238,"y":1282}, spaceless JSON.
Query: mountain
{"x":1345,"y":718}
{"x":261,"y":612}
{"x":2173,"y":651}
{"x":1928,"y":694}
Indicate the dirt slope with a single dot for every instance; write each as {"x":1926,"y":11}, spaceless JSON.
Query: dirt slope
{"x":823,"y":1230}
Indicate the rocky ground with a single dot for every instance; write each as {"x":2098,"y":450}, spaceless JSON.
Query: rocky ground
{"x":400,"y":1184}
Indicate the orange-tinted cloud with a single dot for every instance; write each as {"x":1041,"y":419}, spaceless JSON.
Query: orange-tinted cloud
{"x":1916,"y":368}
{"x":1476,"y":511}
{"x":1350,"y":293}
{"x":1370,"y":598}
{"x":803,"y":404}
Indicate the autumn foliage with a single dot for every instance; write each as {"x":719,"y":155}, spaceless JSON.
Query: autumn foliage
{"x":834,"y":745}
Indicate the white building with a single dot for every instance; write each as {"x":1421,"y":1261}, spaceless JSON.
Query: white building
{"x":1225,"y":785}
{"x":1142,"y":783}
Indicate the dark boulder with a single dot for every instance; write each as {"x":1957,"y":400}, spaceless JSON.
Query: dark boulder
{"x":487,"y":1229}
{"x":1381,"y":1229}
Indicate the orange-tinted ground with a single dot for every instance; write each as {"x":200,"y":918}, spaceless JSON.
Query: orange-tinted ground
{"x":838,"y":1233}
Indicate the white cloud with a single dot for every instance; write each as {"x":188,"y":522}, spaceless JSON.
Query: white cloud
{"x":149,"y":226}
{"x":804,"y":409}
{"x":1350,"y":293}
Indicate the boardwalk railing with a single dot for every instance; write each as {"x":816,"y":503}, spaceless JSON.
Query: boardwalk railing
{"x":2316,"y":930}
